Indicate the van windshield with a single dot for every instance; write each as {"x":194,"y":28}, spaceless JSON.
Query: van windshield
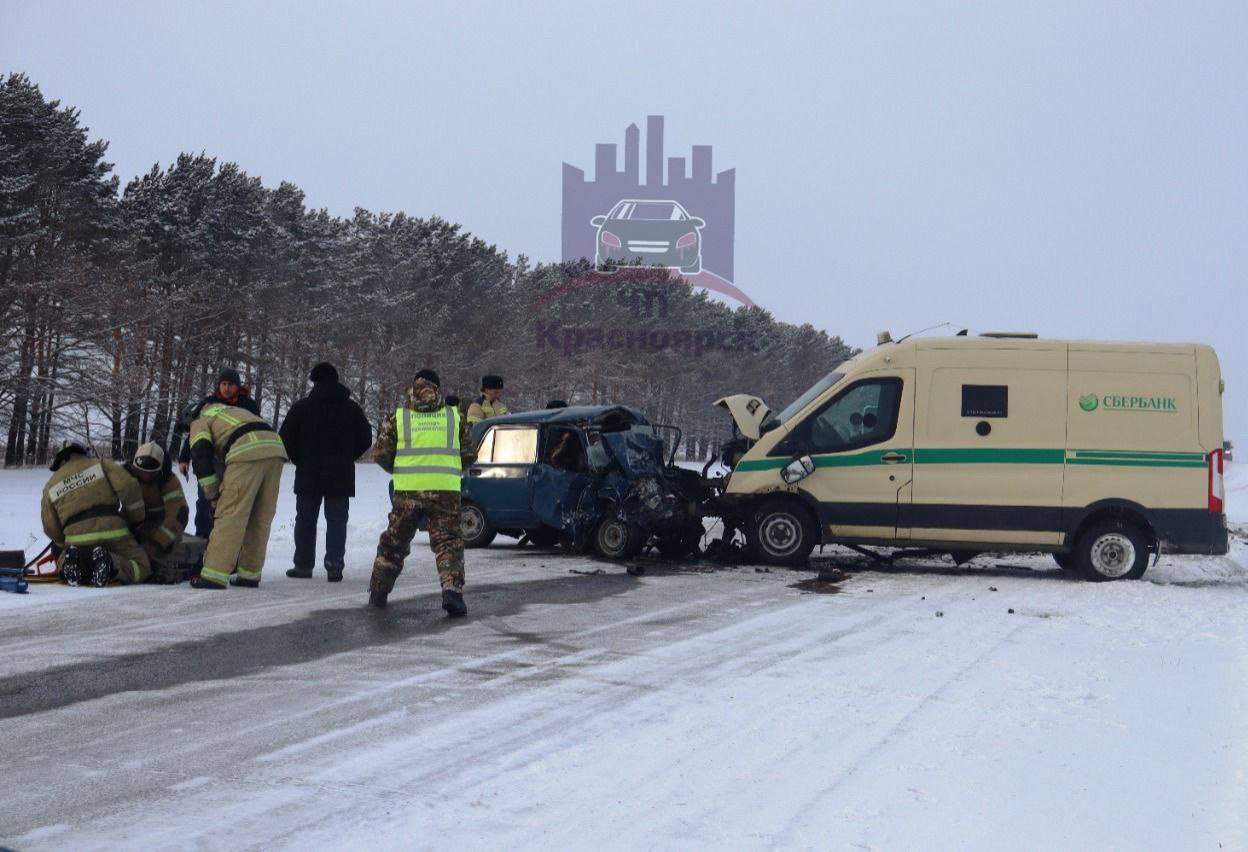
{"x":802,"y":401}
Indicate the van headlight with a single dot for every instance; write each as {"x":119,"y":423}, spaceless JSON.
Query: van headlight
{"x":798,"y":469}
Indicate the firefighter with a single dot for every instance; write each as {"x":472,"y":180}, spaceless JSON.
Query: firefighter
{"x":243,"y":497}
{"x":88,"y":508}
{"x":424,"y":446}
{"x":165,"y":506}
{"x":489,"y":403}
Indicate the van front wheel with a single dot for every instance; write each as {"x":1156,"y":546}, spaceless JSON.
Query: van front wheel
{"x":1112,"y":550}
{"x":781,"y":532}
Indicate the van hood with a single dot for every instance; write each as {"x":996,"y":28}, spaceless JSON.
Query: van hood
{"x":748,"y":412}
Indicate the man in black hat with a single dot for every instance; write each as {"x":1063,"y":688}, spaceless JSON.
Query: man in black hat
{"x":325,"y":432}
{"x":489,"y":403}
{"x":231,"y":391}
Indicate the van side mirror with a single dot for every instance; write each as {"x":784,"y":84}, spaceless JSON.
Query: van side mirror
{"x":597,"y":221}
{"x":798,"y":469}
{"x":869,"y":420}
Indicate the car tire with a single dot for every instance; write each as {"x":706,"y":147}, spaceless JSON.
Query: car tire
{"x":1112,"y":550}
{"x":617,"y":539}
{"x":781,"y":532}
{"x":543,"y":536}
{"x":474,"y":526}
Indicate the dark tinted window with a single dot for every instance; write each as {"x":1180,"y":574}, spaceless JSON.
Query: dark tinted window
{"x":985,"y":401}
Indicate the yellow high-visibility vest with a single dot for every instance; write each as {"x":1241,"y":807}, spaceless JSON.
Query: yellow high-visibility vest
{"x":426,"y":455}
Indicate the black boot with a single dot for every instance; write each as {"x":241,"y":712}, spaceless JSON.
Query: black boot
{"x":198,"y":582}
{"x":453,"y":603}
{"x":378,"y":599}
{"x":236,"y":580}
{"x":71,"y":568}
{"x":102,"y":567}
{"x":299,"y":573}
{"x":334,"y":573}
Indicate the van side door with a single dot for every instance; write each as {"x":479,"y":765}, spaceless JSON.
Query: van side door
{"x":861,"y":441}
{"x":990,"y":437}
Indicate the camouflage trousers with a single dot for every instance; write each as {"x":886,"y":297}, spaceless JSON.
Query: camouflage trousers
{"x":444,"y":538}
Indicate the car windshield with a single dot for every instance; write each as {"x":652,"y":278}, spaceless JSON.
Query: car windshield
{"x":650,"y":211}
{"x":802,"y":401}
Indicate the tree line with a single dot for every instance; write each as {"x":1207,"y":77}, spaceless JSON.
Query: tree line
{"x":120,"y":305}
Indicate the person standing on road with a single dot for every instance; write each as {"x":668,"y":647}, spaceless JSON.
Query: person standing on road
{"x":243,"y":497}
{"x":325,"y":432}
{"x":489,"y":403}
{"x":230,"y":391}
{"x":424,"y":446}
{"x":88,"y":508}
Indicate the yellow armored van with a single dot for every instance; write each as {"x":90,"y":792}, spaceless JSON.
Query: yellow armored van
{"x":1099,"y":453}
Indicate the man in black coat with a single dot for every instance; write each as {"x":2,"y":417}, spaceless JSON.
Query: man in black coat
{"x":325,"y":432}
{"x":231,"y":391}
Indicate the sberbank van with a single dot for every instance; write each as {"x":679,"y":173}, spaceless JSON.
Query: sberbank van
{"x":1103,"y":454}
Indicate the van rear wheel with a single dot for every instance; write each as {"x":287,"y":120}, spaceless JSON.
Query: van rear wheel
{"x":1112,"y":550}
{"x":781,"y":532}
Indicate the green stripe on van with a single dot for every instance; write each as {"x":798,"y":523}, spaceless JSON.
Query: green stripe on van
{"x":995,"y":455}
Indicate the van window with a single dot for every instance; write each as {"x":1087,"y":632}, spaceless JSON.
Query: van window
{"x":508,"y":445}
{"x":861,"y":415}
{"x":813,"y":391}
{"x":985,"y":401}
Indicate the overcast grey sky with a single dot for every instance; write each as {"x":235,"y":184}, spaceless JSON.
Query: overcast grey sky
{"x":1078,"y":169}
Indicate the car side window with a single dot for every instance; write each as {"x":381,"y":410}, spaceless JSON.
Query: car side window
{"x":859,"y":416}
{"x":485,"y":450}
{"x":510,"y":445}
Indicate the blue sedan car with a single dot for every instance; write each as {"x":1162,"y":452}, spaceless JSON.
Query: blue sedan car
{"x":584,"y":477}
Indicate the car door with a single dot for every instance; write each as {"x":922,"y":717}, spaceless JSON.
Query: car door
{"x":861,"y":441}
{"x":500,"y":481}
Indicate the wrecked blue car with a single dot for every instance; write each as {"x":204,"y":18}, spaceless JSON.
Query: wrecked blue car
{"x":583,"y":477}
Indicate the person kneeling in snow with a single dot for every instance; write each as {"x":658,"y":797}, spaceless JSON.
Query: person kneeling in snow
{"x":166,"y":508}
{"x":88,"y":507}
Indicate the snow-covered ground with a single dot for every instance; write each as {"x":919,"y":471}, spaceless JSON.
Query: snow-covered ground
{"x":999,"y":705}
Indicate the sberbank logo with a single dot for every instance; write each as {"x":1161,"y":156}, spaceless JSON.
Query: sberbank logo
{"x":1119,"y":402}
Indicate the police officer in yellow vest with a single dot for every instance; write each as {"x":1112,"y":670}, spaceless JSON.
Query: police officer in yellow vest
{"x":244,"y":497}
{"x":424,"y":445}
{"x":489,"y":403}
{"x":88,"y":508}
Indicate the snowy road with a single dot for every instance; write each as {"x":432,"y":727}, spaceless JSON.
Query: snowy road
{"x":685,"y":709}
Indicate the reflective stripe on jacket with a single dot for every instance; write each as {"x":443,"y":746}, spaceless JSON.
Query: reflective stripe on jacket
{"x":426,"y":455}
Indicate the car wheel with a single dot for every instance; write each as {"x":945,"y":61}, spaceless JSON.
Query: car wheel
{"x":781,"y":532}
{"x":543,"y":536}
{"x":616,"y":539}
{"x":474,"y":527}
{"x":1112,"y":550}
